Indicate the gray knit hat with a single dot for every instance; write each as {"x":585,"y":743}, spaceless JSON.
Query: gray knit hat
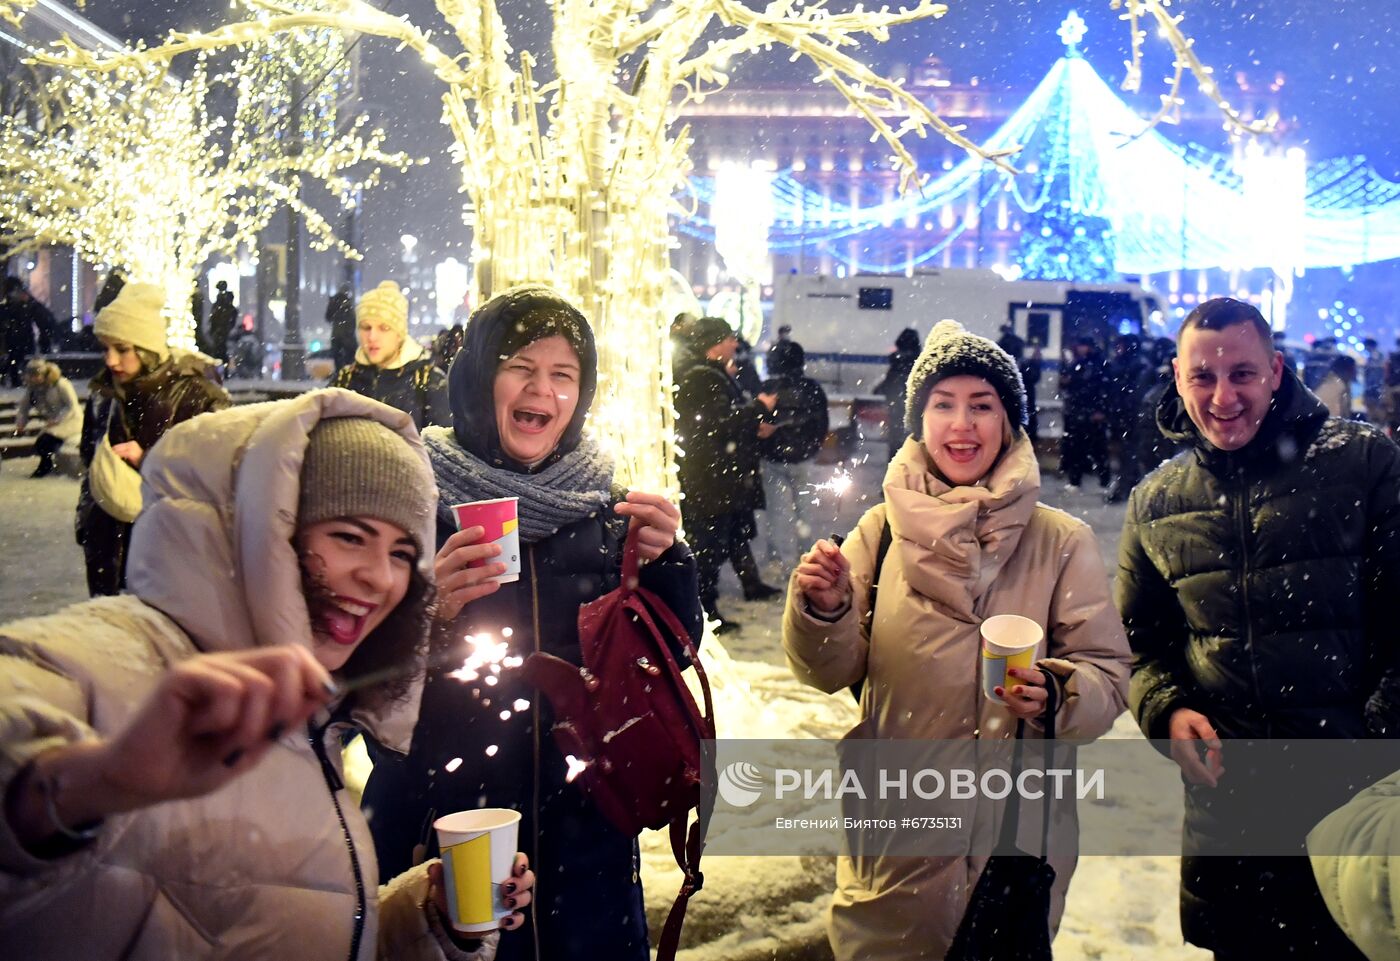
{"x":357,"y":467}
{"x":951,"y":350}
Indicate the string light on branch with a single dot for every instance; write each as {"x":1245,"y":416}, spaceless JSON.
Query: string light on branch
{"x":139,"y":173}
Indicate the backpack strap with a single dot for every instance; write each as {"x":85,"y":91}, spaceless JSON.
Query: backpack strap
{"x":886,"y":539}
{"x":686,"y":846}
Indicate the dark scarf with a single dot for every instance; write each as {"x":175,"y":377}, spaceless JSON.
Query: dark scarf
{"x":574,"y":485}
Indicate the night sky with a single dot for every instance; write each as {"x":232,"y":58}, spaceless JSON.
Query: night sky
{"x":1342,"y":94}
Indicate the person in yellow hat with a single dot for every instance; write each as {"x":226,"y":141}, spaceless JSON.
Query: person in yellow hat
{"x":391,"y":366}
{"x":143,"y":391}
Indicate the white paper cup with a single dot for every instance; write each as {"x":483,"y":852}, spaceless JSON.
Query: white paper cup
{"x":478,"y":851}
{"x":1008,"y":640}
{"x":501,"y":520}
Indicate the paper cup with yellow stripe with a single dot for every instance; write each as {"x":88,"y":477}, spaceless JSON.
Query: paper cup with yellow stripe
{"x":478,"y":850}
{"x":501,"y":520}
{"x":1008,"y":640}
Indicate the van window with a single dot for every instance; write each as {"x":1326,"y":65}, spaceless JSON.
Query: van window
{"x":876,"y":298}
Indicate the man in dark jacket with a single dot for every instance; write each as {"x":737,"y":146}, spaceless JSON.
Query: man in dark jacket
{"x":340,"y":317}
{"x":1257,"y":572}
{"x":222,"y":316}
{"x":1084,"y":391}
{"x":719,"y":434}
{"x":1128,"y":375}
{"x":800,"y":421}
{"x":895,"y":384}
{"x":25,"y":321}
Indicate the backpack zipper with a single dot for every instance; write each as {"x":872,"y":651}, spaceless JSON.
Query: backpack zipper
{"x":335,"y":783}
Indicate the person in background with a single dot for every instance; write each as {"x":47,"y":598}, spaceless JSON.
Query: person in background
{"x":144,"y":389}
{"x":170,"y":758}
{"x":1281,"y":346}
{"x":800,"y":420}
{"x":968,"y":539}
{"x":392,"y":367}
{"x":719,"y":474}
{"x":743,"y":371}
{"x":52,"y":396}
{"x":1373,"y":382}
{"x":1335,"y":389}
{"x":1392,"y":389}
{"x":521,"y":390}
{"x":340,"y":318}
{"x":1318,"y":361}
{"x":1084,"y":390}
{"x":894,"y":385}
{"x":1257,"y":573}
{"x":1031,"y":367}
{"x":1011,"y":342}
{"x":26,"y":323}
{"x":1127,"y":375}
{"x":1155,"y":447}
{"x":222,"y":316}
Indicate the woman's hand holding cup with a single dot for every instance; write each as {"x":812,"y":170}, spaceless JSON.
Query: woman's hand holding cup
{"x":459,"y":584}
{"x":1025,"y":699}
{"x":516,"y":891}
{"x":824,"y":577}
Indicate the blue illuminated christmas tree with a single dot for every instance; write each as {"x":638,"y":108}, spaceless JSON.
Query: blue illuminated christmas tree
{"x":1059,"y":240}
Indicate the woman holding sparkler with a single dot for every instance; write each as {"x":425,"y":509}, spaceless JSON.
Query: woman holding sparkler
{"x":521,"y":388}
{"x":170,"y":758}
{"x":967,"y":540}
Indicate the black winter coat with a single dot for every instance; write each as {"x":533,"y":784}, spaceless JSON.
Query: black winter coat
{"x":1083,"y":387}
{"x":801,"y":417}
{"x":1256,"y":587}
{"x":588,"y":901}
{"x":148,"y":406}
{"x":719,"y":433}
{"x":418,"y":388}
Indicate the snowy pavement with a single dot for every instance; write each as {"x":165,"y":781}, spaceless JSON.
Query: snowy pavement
{"x":752,"y":909}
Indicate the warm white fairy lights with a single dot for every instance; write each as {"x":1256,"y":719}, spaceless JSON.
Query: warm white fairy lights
{"x":136,"y":172}
{"x":571,"y":181}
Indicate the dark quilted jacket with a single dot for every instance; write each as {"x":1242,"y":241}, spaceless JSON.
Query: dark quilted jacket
{"x":418,"y":388}
{"x":1257,"y":587}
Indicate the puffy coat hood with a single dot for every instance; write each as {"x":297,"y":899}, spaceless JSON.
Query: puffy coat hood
{"x":1294,"y":416}
{"x":213,"y":549}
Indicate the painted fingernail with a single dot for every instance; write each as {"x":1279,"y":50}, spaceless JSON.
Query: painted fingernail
{"x":276,"y":732}
{"x":510,"y":902}
{"x":508,"y":887}
{"x":233,"y":757}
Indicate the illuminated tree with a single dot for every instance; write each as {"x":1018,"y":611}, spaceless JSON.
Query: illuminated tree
{"x":570,"y":182}
{"x":135,"y":170}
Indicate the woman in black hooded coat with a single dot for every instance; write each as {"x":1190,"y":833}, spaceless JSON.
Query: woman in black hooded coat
{"x":572,"y":524}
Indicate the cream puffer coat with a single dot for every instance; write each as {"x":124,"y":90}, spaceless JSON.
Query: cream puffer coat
{"x":958,"y":556}
{"x":1355,"y":854}
{"x":278,"y":864}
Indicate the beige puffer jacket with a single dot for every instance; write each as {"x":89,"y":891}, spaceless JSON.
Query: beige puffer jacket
{"x":279,"y":863}
{"x":958,"y":556}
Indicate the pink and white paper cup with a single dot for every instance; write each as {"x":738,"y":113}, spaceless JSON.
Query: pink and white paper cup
{"x":501,"y":520}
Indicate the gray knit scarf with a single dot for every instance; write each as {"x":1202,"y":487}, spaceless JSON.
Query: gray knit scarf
{"x":576,"y":486}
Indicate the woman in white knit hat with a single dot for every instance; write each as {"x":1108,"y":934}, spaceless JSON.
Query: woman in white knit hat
{"x":144,"y":390}
{"x":391,"y":366}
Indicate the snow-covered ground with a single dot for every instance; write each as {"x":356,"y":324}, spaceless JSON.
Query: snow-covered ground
{"x":752,"y":908}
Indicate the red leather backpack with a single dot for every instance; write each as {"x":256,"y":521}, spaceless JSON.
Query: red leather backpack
{"x":629,"y":719}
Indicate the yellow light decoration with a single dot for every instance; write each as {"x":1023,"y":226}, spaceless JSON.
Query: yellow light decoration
{"x":571,"y":182}
{"x":136,"y":172}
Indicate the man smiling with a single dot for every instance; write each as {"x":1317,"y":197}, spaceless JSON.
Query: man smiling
{"x":1256,"y":573}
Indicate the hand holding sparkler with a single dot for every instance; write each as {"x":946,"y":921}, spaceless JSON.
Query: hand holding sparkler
{"x":824,"y":578}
